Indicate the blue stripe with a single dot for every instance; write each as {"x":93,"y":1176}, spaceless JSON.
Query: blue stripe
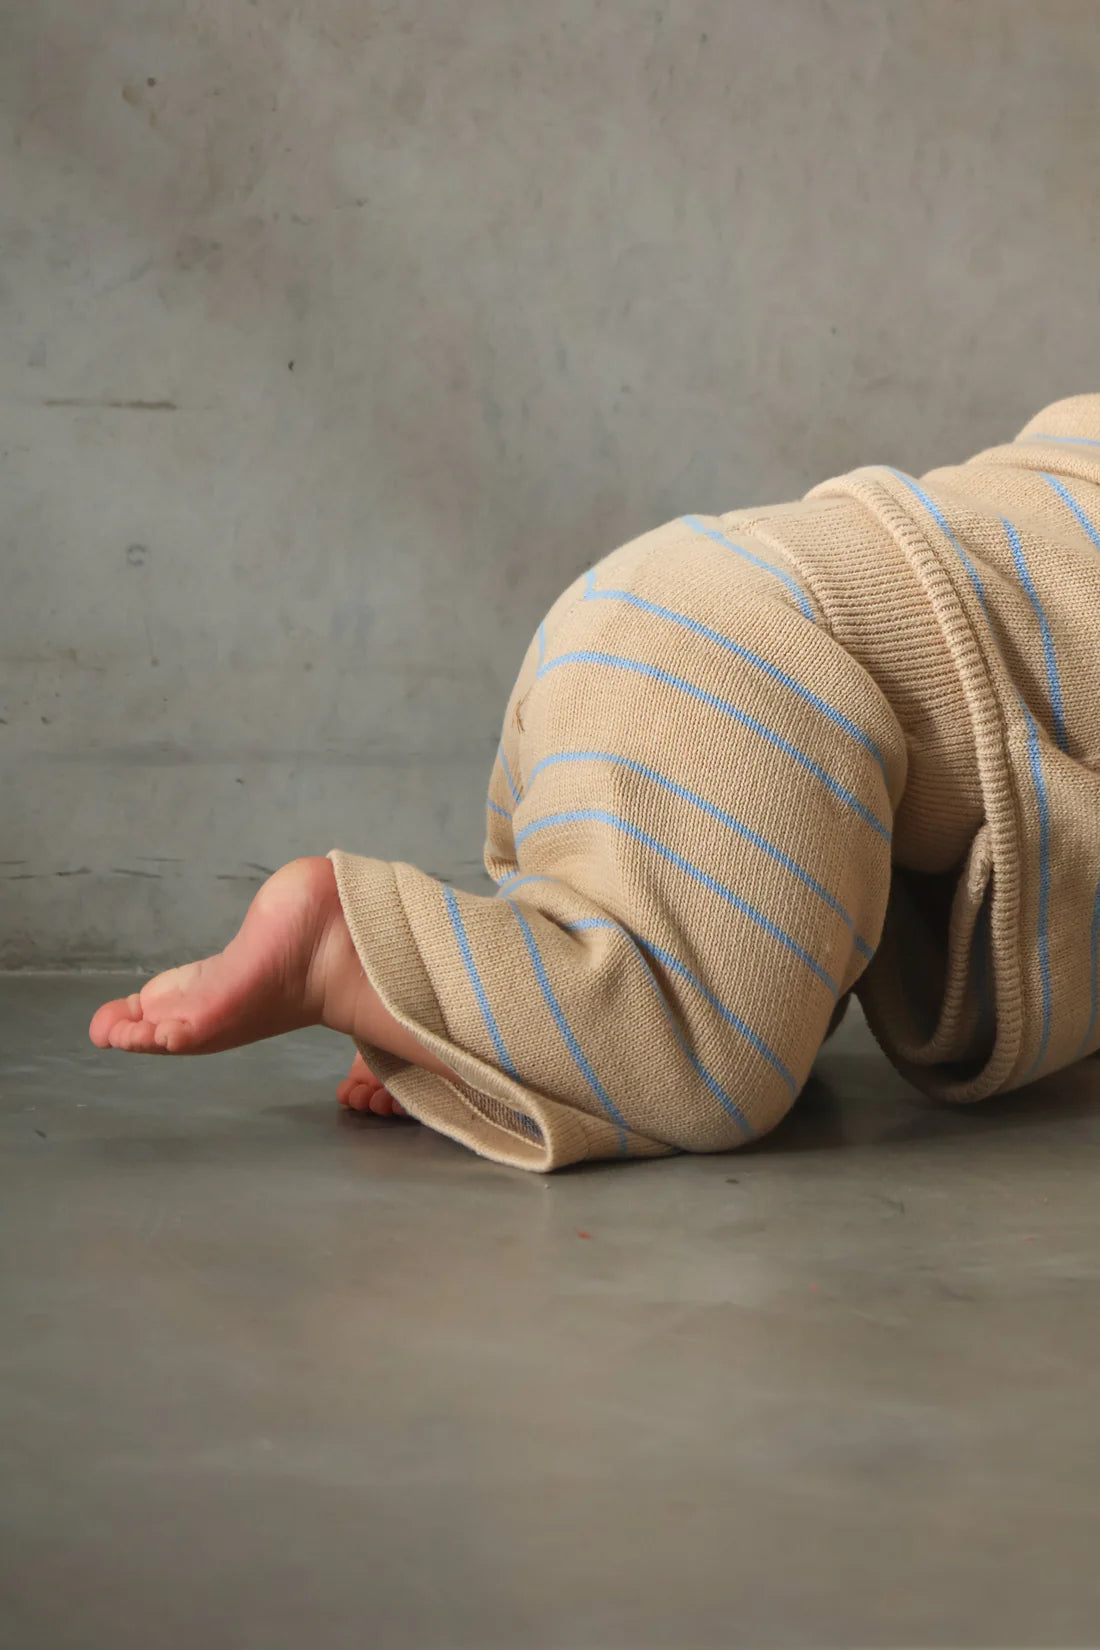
{"x":1073,"y":440}
{"x":615,"y":662}
{"x":518,"y":881}
{"x":1042,"y":936}
{"x":792,"y":585}
{"x":508,"y":773}
{"x":676,"y":967}
{"x":1054,"y":686}
{"x":945,"y":527}
{"x":497,"y":809}
{"x":1071,"y":503}
{"x":724,"y":818}
{"x":583,"y":815}
{"x":568,"y":1038}
{"x":1094,"y":947}
{"x":487,"y":1015}
{"x":770,"y":670}
{"x":726,"y":1101}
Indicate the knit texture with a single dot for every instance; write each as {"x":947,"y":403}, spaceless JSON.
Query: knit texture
{"x":752,"y":763}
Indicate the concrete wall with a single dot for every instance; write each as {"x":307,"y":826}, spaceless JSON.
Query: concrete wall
{"x":336,"y":337}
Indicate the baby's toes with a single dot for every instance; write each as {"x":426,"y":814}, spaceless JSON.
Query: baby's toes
{"x":120,"y":1011}
{"x":134,"y":1037}
{"x":361,"y":1096}
{"x":383,"y":1104}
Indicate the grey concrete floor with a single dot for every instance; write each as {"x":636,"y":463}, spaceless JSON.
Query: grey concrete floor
{"x":274,"y":1377}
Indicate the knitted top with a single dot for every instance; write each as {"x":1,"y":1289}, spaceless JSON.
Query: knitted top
{"x":755,"y":762}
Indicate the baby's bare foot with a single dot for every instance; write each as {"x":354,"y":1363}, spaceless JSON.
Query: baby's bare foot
{"x":292,"y":964}
{"x":362,"y":1091}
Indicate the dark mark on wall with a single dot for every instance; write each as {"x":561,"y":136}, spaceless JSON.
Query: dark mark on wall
{"x":266,"y":869}
{"x":234,"y":876}
{"x":124,"y":871}
{"x":136,"y":554}
{"x":118,"y":406}
{"x":81,"y":871}
{"x":41,"y":1133}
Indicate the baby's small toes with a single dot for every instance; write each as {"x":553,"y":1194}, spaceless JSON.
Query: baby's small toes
{"x":359,"y":1095}
{"x":119,"y":1011}
{"x":170,"y":1037}
{"x":134,"y":1037}
{"x":383,"y":1104}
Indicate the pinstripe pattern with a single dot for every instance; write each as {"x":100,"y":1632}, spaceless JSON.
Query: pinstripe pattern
{"x":785,"y":578}
{"x":1054,"y":685}
{"x":475,"y":981}
{"x":945,"y":527}
{"x":765,"y":924}
{"x":561,"y":1020}
{"x":697,"y":864}
{"x":732,"y":824}
{"x":681,"y":972}
{"x":1034,"y":755}
{"x":771,"y":670}
{"x":726,"y":1101}
{"x":1063,"y":440}
{"x":612,"y":661}
{"x":512,"y":786}
{"x":1073,"y":507}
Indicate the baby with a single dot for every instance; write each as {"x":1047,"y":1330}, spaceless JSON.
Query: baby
{"x":752,"y":763}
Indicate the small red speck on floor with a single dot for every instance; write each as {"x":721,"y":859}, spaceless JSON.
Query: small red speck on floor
{"x":813,"y":1289}
{"x":584,"y":1234}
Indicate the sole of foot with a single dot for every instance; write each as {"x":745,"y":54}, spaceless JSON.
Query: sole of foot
{"x":291,"y":961}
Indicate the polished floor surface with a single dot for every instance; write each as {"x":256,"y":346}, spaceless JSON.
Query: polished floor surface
{"x":272,"y":1378}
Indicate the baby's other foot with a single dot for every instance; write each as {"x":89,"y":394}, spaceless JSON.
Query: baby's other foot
{"x":362,"y":1091}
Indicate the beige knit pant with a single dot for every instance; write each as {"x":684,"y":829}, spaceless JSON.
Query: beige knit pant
{"x":689,"y":821}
